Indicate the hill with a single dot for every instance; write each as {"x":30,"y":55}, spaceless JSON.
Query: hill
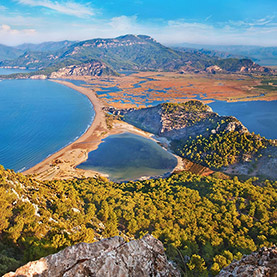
{"x":203,"y":222}
{"x":9,"y":53}
{"x":45,"y":46}
{"x":266,"y":56}
{"x":129,"y":52}
{"x":202,"y":136}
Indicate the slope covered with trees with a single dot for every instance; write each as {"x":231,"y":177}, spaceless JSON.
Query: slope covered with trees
{"x":129,"y":52}
{"x":204,"y":222}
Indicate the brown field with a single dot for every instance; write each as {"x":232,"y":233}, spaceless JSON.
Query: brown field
{"x":149,"y":88}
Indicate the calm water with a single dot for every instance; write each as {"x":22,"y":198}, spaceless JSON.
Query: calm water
{"x":128,"y":157}
{"x":258,"y":116}
{"x":39,"y":117}
{"x":7,"y":71}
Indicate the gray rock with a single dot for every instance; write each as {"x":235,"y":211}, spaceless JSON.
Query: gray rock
{"x":258,"y":264}
{"x":108,"y":257}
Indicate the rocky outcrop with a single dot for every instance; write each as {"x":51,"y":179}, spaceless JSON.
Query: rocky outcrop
{"x":108,"y":257}
{"x":39,"y":77}
{"x":180,"y":121}
{"x":213,"y":69}
{"x":259,"y":264}
{"x":93,"y":68}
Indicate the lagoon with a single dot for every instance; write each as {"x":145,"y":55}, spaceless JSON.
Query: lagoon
{"x":38,"y":118}
{"x":129,"y":157}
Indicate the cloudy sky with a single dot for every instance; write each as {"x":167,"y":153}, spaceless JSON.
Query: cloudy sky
{"x":249,"y":22}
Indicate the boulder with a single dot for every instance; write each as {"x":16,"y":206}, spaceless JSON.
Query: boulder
{"x":108,"y":257}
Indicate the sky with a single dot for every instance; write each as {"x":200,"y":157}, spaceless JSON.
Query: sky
{"x":220,"y":22}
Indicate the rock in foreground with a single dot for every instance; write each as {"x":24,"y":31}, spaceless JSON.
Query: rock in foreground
{"x":108,"y":257}
{"x":258,"y":264}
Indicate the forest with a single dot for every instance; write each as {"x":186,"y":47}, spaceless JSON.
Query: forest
{"x":222,"y":149}
{"x":204,"y":222}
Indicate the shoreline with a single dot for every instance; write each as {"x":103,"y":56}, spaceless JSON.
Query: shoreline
{"x":62,"y":164}
{"x":96,"y":128}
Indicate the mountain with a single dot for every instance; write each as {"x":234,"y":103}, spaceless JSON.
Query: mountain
{"x":108,"y":257}
{"x":266,"y":56}
{"x":93,"y":68}
{"x":132,"y":52}
{"x":45,"y":46}
{"x":9,"y":53}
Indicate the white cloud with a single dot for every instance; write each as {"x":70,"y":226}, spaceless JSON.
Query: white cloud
{"x":168,"y":32}
{"x":3,"y":8}
{"x":13,"y":35}
{"x":65,"y":7}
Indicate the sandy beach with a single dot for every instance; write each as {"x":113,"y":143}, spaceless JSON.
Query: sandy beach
{"x":62,"y":164}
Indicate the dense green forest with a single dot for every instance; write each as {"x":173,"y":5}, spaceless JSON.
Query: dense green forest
{"x":221,"y":149}
{"x":204,"y":222}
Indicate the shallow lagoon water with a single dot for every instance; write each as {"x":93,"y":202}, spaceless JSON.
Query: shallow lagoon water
{"x":129,"y":157}
{"x":38,"y":118}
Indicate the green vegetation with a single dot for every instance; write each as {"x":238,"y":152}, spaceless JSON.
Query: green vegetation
{"x":268,"y":84}
{"x":128,"y":52}
{"x":222,"y":149}
{"x":186,"y":114}
{"x":203,"y":222}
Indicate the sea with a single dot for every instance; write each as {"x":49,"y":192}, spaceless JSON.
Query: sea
{"x":38,"y":118}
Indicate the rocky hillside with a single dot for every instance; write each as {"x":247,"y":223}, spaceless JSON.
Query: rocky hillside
{"x":129,"y":52}
{"x":203,"y":137}
{"x":93,"y":68}
{"x":259,"y":264}
{"x":183,"y":120}
{"x":108,"y":257}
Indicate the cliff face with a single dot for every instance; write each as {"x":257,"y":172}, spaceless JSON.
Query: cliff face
{"x":94,"y":68}
{"x":108,"y":257}
{"x":258,"y":264}
{"x":176,"y":121}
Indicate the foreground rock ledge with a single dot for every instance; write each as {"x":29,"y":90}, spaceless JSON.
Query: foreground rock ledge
{"x":258,"y":264}
{"x":108,"y":257}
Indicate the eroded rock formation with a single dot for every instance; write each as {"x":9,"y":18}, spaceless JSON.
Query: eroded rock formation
{"x":259,"y":264}
{"x":108,"y":257}
{"x":93,"y":68}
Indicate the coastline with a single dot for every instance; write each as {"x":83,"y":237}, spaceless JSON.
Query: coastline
{"x":76,"y":152}
{"x":62,"y":164}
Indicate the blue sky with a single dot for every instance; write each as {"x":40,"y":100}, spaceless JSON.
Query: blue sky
{"x":171,"y":22}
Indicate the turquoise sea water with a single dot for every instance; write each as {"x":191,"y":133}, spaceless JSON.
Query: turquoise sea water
{"x":38,"y":118}
{"x":128,"y":157}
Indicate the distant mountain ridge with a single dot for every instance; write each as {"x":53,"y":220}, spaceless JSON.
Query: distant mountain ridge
{"x":129,"y":52}
{"x":45,"y":46}
{"x":9,"y":53}
{"x":266,"y":56}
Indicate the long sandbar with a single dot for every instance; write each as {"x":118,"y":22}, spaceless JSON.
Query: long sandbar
{"x":92,"y":134}
{"x":62,"y":164}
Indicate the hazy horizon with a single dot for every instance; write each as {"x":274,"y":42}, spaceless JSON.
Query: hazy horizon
{"x":184,"y":44}
{"x":210,"y":22}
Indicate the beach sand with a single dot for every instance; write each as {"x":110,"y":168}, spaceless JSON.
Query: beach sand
{"x":62,"y":164}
